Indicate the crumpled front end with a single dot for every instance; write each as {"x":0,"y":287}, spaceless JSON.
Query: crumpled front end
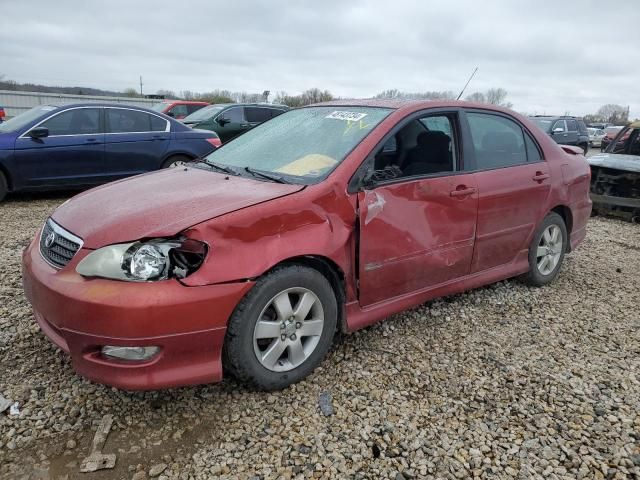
{"x":616,"y":192}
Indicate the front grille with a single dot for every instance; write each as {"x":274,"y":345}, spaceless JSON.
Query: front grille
{"x":58,"y":246}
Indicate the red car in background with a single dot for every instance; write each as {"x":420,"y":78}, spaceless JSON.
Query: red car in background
{"x":328,"y":217}
{"x":2,"y":114}
{"x":178,"y":109}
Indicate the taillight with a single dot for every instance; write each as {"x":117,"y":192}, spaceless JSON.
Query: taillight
{"x":215,"y":142}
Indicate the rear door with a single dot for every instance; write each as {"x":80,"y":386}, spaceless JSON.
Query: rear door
{"x":513,"y":186}
{"x":135,"y":141}
{"x":559,"y":132}
{"x":416,"y":231}
{"x":572,"y":132}
{"x":72,"y":154}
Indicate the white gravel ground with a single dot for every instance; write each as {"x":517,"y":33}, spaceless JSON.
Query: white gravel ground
{"x":502,"y":382}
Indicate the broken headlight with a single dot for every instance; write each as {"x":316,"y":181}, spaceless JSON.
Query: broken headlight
{"x":145,"y":261}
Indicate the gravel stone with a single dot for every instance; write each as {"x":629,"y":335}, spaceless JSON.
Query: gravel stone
{"x":505,"y":381}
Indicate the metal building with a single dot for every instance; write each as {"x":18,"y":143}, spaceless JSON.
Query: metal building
{"x":15,"y":102}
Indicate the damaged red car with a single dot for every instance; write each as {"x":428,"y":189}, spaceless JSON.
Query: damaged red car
{"x":327,"y":218}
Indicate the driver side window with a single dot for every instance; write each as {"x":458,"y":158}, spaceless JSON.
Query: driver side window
{"x":424,"y":146}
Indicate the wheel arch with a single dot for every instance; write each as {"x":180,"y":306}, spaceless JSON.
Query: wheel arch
{"x":331,"y":271}
{"x":179,"y":153}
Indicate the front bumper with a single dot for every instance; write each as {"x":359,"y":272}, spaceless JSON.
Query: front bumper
{"x":81,"y":315}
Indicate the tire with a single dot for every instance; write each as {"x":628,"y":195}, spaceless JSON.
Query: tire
{"x":175,"y":161}
{"x":542,"y":272}
{"x":292,"y":354}
{"x":4,"y":189}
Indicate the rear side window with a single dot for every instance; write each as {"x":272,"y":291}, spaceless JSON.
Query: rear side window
{"x":498,"y":142}
{"x":572,"y":126}
{"x":179,"y":111}
{"x":257,"y":114}
{"x":79,"y":121}
{"x":275,"y":112}
{"x":158,"y":124}
{"x":533,"y":153}
{"x":128,"y":121}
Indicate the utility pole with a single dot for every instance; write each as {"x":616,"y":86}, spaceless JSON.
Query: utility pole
{"x":141,"y":85}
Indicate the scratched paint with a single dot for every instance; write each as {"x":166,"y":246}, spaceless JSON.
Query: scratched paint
{"x":375,"y":206}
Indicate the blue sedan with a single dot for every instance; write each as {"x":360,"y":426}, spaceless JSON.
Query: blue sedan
{"x":52,"y":147}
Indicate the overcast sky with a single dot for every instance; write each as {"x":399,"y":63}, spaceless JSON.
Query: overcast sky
{"x":551,"y":56}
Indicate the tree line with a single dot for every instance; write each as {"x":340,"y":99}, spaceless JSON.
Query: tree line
{"x":609,"y":113}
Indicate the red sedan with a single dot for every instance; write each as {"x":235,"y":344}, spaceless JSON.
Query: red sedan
{"x":330,"y":217}
{"x":178,"y":109}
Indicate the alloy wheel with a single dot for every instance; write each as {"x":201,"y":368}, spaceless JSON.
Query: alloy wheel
{"x":549,"y":250}
{"x":288,"y":329}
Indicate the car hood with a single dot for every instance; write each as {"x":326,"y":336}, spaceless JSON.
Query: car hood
{"x":7,"y":141}
{"x":160,"y":204}
{"x":618,"y":161}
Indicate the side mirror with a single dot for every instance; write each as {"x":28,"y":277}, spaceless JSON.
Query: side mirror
{"x":222,"y":121}
{"x":558,"y":130}
{"x":39,"y":132}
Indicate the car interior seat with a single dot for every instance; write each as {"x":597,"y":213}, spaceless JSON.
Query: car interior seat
{"x":430,"y":155}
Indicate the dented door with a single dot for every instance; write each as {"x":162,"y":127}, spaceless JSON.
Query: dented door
{"x":416,"y":234}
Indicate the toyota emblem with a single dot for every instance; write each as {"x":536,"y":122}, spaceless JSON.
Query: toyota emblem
{"x":51,"y":238}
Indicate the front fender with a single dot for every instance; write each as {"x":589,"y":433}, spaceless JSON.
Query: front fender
{"x":249,"y":242}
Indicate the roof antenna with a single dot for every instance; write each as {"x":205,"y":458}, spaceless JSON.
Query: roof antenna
{"x":467,"y":84}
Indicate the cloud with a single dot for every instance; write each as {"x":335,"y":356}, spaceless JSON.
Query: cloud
{"x":552,"y":57}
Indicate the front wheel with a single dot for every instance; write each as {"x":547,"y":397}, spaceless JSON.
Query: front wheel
{"x":3,"y":187}
{"x":547,"y":250}
{"x":282,"y":329}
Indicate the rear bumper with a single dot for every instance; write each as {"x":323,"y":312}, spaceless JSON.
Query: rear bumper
{"x":82,"y":315}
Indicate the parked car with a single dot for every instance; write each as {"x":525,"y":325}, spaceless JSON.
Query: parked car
{"x":615,"y":175}
{"x":51,"y":147}
{"x":609,"y":134}
{"x":564,"y":130}
{"x":328,"y":217}
{"x":595,"y":136}
{"x":3,"y":114}
{"x":178,"y":109}
{"x":233,"y":119}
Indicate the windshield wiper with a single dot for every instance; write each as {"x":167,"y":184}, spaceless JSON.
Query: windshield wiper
{"x":219,"y":167}
{"x":258,"y":173}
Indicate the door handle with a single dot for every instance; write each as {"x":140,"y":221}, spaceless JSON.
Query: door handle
{"x":462,"y":191}
{"x":540,"y":177}
{"x":91,"y":140}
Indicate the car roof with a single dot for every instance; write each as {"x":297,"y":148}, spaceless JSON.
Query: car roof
{"x":556,"y":116}
{"x":99,"y":104}
{"x":408,"y":106}
{"x":254,"y":104}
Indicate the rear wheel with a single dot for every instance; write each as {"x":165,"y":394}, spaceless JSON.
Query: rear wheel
{"x":282,"y":329}
{"x":4,"y":189}
{"x":176,"y":161}
{"x":547,"y":250}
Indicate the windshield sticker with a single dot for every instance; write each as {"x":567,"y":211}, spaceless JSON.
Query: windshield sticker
{"x":348,"y":116}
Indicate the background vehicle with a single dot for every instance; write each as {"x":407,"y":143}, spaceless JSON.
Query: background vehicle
{"x":332,"y":216}
{"x":178,"y":109}
{"x":615,"y":175}
{"x":564,"y":130}
{"x":51,"y":147}
{"x":2,"y":114}
{"x":609,"y":134}
{"x":595,"y":136}
{"x":233,"y":119}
